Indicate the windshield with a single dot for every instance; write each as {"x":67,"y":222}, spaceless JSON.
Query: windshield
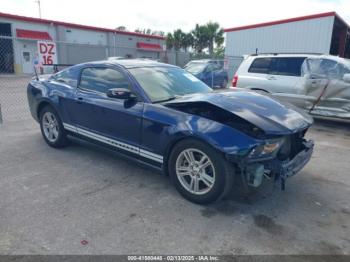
{"x":163,"y":83}
{"x":195,"y":68}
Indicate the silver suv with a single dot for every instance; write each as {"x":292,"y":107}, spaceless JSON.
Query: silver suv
{"x":317,"y":83}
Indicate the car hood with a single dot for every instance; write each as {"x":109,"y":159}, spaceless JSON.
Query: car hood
{"x":268,"y":114}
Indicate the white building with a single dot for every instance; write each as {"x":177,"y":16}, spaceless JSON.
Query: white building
{"x":325,"y":33}
{"x":75,"y":43}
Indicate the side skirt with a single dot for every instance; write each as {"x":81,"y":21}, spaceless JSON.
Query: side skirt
{"x":119,"y":153}
{"x":131,"y":151}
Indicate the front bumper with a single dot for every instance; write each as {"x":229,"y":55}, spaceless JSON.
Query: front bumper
{"x":288,"y":168}
{"x":275,"y":168}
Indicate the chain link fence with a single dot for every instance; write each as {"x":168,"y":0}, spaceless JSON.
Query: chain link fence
{"x":231,"y":64}
{"x":13,"y":98}
{"x":17,"y":58}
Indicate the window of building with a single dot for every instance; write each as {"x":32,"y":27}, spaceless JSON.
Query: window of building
{"x":102,"y":79}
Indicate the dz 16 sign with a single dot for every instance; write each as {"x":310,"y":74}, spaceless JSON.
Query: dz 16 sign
{"x":47,"y":53}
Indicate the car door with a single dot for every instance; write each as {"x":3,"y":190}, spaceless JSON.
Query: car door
{"x":208,"y":74}
{"x":325,"y":88}
{"x":220,"y":74}
{"x":100,"y":117}
{"x":284,"y":76}
{"x":211,"y":74}
{"x":254,"y":76}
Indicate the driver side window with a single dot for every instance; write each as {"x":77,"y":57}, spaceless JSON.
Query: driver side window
{"x":99,"y":79}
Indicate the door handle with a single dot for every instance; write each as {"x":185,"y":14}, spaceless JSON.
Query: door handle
{"x":79,"y":100}
{"x":271,"y":78}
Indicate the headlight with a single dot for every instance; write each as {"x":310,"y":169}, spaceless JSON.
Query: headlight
{"x":270,"y":148}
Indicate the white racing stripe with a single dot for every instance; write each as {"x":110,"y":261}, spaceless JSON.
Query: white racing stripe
{"x":115,"y":143}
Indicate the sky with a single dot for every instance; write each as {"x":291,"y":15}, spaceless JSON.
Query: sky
{"x":168,"y":15}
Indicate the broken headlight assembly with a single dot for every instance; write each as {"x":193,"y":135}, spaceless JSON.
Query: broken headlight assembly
{"x":267,"y":150}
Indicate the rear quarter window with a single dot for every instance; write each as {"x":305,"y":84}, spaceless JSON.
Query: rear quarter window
{"x":260,"y":66}
{"x":67,"y":76}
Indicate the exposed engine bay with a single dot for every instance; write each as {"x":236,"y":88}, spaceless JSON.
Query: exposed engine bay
{"x":212,"y":112}
{"x":292,"y":155}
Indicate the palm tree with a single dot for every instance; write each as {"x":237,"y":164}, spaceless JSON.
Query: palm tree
{"x":215,"y":34}
{"x":187,"y":41}
{"x":200,"y":38}
{"x":169,"y":41}
{"x":178,"y":39}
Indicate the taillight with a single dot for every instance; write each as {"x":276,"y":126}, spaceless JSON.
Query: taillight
{"x":234,"y":81}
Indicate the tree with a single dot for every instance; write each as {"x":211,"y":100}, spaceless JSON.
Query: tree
{"x":206,"y":36}
{"x":160,"y":33}
{"x":219,"y":52}
{"x":179,"y":37}
{"x":121,"y":28}
{"x":148,"y":31}
{"x":187,"y":41}
{"x":200,"y":38}
{"x":215,"y":34}
{"x":169,"y":41}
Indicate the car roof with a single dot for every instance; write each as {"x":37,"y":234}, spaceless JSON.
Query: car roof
{"x":308,"y":55}
{"x":205,"y":60}
{"x":130,"y":63}
{"x":313,"y":55}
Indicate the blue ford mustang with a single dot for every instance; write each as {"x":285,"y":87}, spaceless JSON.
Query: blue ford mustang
{"x":162,"y":116}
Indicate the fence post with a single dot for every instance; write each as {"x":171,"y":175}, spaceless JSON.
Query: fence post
{"x":0,"y":115}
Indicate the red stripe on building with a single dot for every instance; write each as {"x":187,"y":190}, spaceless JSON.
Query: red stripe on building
{"x":149,"y":46}
{"x":30,"y":34}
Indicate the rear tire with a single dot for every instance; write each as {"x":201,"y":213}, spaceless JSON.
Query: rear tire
{"x":52,"y":128}
{"x":199,"y":172}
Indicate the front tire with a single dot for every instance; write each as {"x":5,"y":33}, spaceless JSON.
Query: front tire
{"x":199,"y":172}
{"x":52,"y":128}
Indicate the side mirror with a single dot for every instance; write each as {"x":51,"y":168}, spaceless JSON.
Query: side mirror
{"x":120,"y":93}
{"x":346,"y":78}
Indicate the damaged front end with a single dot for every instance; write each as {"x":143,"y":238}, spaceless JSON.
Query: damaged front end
{"x":273,"y":145}
{"x":276,"y":160}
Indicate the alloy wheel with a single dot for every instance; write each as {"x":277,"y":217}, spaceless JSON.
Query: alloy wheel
{"x":50,"y":127}
{"x":195,"y":171}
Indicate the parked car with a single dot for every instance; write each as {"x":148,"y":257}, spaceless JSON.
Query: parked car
{"x":164,"y":117}
{"x":211,"y":72}
{"x":319,"y":84}
{"x":111,"y":58}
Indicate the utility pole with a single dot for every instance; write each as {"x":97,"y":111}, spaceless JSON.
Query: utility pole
{"x":38,"y":2}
